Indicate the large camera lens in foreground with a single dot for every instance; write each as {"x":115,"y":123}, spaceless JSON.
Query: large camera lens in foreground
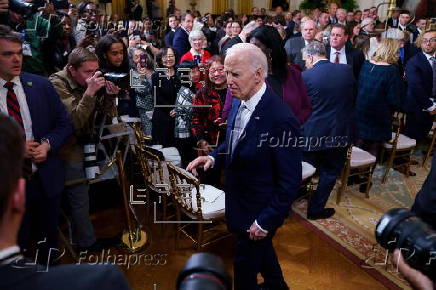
{"x":401,"y":229}
{"x":204,"y":271}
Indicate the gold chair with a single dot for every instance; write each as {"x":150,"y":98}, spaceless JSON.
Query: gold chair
{"x":432,"y":134}
{"x":203,"y":205}
{"x":306,"y":187}
{"x":358,"y":163}
{"x":399,"y":148}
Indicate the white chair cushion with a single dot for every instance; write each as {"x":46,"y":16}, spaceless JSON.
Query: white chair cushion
{"x":171,"y":154}
{"x":308,"y":170}
{"x":360,"y":157}
{"x":404,"y":142}
{"x":212,"y":199}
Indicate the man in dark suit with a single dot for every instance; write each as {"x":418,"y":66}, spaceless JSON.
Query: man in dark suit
{"x":421,"y":25}
{"x":181,"y":36}
{"x":294,"y":45}
{"x":403,"y":22}
{"x":34,"y":103}
{"x":393,"y":20}
{"x":136,"y":11}
{"x":332,"y":12}
{"x":262,"y":173}
{"x":421,"y":80}
{"x":338,"y":52}
{"x":329,"y":130}
{"x":173,"y":23}
{"x":17,"y":272}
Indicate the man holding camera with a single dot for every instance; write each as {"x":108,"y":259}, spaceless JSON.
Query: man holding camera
{"x":78,"y":85}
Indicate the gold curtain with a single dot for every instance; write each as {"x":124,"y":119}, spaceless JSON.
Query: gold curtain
{"x":245,"y":6}
{"x":118,"y":7}
{"x":218,"y":6}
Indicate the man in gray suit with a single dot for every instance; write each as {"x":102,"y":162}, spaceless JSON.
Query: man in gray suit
{"x":294,"y":45}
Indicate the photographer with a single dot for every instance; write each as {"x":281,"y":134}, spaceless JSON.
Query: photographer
{"x":113,"y":58}
{"x":37,"y":23}
{"x":78,"y":84}
{"x":86,"y":12}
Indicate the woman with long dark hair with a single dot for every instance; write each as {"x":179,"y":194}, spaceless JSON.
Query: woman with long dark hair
{"x":284,"y":79}
{"x":113,"y":58}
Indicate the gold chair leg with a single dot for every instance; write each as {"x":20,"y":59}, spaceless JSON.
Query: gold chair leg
{"x":344,"y":180}
{"x":200,"y":236}
{"x":430,"y":148}
{"x":389,"y":166}
{"x":368,"y":185}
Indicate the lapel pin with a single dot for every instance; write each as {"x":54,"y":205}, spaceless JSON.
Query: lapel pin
{"x":29,"y":84}
{"x":256,"y":118}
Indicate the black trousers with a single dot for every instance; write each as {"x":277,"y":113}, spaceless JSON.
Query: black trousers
{"x":329,"y":164}
{"x":38,"y":235}
{"x":253,"y":257}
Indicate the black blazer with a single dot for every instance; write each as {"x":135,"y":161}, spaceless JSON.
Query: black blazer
{"x":355,"y":58}
{"x":181,"y":42}
{"x":425,"y":201}
{"x":21,"y":276}
{"x":391,"y":22}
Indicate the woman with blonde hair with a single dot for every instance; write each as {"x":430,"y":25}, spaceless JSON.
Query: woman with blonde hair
{"x":380,"y":93}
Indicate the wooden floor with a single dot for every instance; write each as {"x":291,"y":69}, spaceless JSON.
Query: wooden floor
{"x":307,"y":261}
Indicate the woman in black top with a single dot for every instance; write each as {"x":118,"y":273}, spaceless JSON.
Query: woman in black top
{"x":166,"y":87}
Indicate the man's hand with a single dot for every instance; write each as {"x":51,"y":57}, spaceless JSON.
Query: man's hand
{"x":433,"y":112}
{"x":40,"y":153}
{"x":4,"y":6}
{"x":112,"y":89}
{"x":202,"y":161}
{"x":94,"y":83}
{"x":414,"y":277}
{"x":30,"y":148}
{"x":256,"y":233}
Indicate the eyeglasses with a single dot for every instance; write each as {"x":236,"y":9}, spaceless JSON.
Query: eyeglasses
{"x":431,"y":40}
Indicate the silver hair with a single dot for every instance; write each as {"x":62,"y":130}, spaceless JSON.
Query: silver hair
{"x":314,"y":48}
{"x":196,"y":34}
{"x":308,"y":22}
{"x":253,"y":54}
{"x":393,"y":33}
{"x":249,"y":28}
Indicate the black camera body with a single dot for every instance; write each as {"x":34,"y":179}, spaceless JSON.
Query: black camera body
{"x":24,"y":8}
{"x":121,"y":80}
{"x":401,"y":229}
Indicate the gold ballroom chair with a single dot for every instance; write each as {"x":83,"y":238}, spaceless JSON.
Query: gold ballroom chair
{"x":358,"y":163}
{"x":399,"y":148}
{"x":430,"y":148}
{"x":200,"y":208}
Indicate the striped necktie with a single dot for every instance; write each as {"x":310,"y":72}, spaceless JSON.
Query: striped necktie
{"x":15,"y":112}
{"x":240,"y":122}
{"x":337,"y":57}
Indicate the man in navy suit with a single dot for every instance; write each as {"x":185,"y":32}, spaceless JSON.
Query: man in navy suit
{"x":262,"y":167}
{"x":36,"y":106}
{"x":329,"y":130}
{"x":294,"y":45}
{"x":16,"y":271}
{"x":339,"y":52}
{"x":421,"y":89}
{"x":181,"y":37}
{"x":173,"y":23}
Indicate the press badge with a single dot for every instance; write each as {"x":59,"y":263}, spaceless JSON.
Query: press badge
{"x":27,"y":51}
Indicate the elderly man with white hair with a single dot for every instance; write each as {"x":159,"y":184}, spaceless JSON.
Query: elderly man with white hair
{"x":262,"y":165}
{"x":197,"y":52}
{"x":294,"y":45}
{"x":367,"y":26}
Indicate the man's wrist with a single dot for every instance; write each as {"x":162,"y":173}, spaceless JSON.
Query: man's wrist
{"x":263,"y":230}
{"x":46,"y":141}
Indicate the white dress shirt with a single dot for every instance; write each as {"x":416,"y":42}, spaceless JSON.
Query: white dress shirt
{"x":24,"y":108}
{"x":342,"y":55}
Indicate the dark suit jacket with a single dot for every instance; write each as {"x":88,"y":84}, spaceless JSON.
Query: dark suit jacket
{"x":391,"y":23}
{"x":355,"y":58}
{"x":419,"y":76}
{"x":262,"y":176}
{"x":49,"y":120}
{"x":332,"y":105}
{"x":290,"y":29}
{"x":169,"y":37}
{"x":425,"y":201}
{"x":181,"y":42}
{"x":136,"y":14}
{"x":293,"y":48}
{"x":19,"y":276}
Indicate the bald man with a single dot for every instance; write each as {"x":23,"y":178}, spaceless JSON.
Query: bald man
{"x":294,"y":45}
{"x":262,"y":165}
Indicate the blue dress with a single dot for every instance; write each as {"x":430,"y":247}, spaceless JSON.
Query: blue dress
{"x":380,"y":92}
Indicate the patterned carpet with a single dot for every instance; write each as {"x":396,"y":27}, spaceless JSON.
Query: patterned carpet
{"x":351,"y":229}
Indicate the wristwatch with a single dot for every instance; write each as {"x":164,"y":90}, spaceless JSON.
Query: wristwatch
{"x":45,"y":140}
